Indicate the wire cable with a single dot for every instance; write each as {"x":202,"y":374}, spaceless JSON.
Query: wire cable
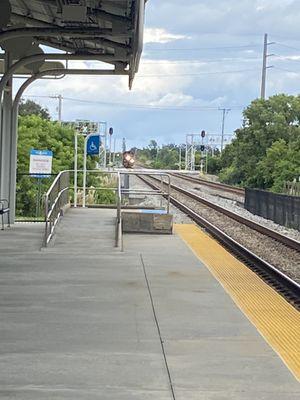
{"x":241,"y":71}
{"x":287,"y":46}
{"x":141,"y":106}
{"x":205,"y":48}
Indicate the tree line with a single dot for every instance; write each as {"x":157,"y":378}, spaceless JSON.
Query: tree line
{"x":264,"y":154}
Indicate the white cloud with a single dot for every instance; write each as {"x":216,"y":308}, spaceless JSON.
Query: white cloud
{"x":159,"y":35}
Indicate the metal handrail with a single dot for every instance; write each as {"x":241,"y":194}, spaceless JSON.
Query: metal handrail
{"x":55,"y":199}
{"x":54,"y":207}
{"x":119,"y":214}
{"x":165,"y":180}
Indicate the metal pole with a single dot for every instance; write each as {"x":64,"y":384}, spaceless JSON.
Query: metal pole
{"x":114,"y":154}
{"x":109,"y":157}
{"x":264,"y":68}
{"x":223,"y":129}
{"x":75,"y":169}
{"x":105,"y":145}
{"x":186,"y":150}
{"x":59,"y":108}
{"x":193,"y":155}
{"x":84,"y":169}
{"x":224,"y":111}
{"x":180,"y":158}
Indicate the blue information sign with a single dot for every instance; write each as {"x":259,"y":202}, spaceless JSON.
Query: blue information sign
{"x":93,"y":145}
{"x":40,"y":165}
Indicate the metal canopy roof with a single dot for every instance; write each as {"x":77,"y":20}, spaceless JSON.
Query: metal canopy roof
{"x":89,"y":27}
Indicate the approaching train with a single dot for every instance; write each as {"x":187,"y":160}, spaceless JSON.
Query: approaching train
{"x":128,"y":159}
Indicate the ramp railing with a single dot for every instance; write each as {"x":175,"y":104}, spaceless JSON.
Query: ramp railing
{"x":164,"y":191}
{"x":56,"y":200}
{"x":118,"y":237}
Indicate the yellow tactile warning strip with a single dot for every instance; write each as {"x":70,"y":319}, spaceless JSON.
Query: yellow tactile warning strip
{"x":276,"y":320}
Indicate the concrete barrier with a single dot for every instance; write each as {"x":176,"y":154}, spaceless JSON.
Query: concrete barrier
{"x":147,"y":221}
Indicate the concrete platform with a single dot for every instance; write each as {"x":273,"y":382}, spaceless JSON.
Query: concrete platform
{"x":80,"y":321}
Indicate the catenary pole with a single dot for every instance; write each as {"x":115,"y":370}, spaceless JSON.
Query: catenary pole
{"x":225,"y":111}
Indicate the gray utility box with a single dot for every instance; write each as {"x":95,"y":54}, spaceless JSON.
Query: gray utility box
{"x":147,"y":221}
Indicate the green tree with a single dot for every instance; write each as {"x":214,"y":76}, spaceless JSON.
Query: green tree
{"x":266,"y":122}
{"x":213,"y":165}
{"x":281,"y":164}
{"x":29,"y":107}
{"x":42,"y":134}
{"x":153,"y":148}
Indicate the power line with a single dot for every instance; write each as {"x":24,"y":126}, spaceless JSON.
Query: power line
{"x":205,"y":48}
{"x":142,"y":106}
{"x":287,"y":46}
{"x":149,"y":106}
{"x":199,"y":73}
{"x":189,"y":62}
{"x":286,"y":70}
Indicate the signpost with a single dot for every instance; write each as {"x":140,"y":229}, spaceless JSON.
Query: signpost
{"x":40,"y":166}
{"x":85,"y":128}
{"x":91,"y":147}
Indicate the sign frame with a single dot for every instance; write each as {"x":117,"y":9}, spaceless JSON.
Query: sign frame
{"x":40,"y":164}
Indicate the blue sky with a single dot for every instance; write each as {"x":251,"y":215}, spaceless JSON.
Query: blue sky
{"x":199,"y":56}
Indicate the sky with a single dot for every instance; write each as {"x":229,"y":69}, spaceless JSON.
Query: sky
{"x":199,"y":56}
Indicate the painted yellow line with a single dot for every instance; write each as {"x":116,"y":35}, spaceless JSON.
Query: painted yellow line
{"x":276,"y":320}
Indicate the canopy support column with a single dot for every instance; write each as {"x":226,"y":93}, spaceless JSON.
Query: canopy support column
{"x":6,"y":144}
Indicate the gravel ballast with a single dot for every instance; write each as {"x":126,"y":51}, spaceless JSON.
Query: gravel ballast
{"x":233,"y":204}
{"x":282,"y":257}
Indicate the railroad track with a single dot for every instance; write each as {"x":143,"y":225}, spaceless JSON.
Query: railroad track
{"x":214,"y":185}
{"x":283,"y":284}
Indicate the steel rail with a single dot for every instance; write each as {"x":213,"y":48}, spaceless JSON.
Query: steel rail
{"x":215,"y":185}
{"x":287,"y":241}
{"x":283,"y":284}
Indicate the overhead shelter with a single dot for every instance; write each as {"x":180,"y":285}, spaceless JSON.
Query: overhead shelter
{"x":110,"y":31}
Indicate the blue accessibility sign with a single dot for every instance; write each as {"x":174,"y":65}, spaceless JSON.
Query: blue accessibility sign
{"x":93,"y":145}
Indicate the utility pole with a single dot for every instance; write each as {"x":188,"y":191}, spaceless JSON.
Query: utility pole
{"x":114,"y":153}
{"x":265,"y":66}
{"x":264,"y":70}
{"x":180,"y":157}
{"x":225,"y":111}
{"x":60,"y":99}
{"x":124,"y":145}
{"x":59,"y":108}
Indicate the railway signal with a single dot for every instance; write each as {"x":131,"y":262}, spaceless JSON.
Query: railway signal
{"x":111,"y":131}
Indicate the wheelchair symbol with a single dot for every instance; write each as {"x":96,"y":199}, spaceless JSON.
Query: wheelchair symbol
{"x":93,"y":147}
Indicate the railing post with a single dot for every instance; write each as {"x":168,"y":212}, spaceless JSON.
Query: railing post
{"x":169,"y":193}
{"x":46,"y":219}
